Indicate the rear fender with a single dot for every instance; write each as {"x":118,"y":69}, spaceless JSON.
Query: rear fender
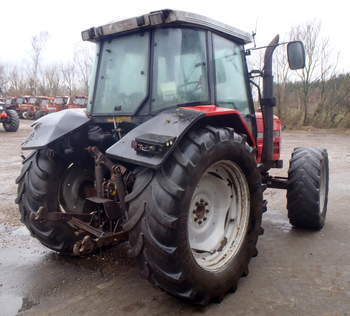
{"x":174,"y":123}
{"x":54,"y":126}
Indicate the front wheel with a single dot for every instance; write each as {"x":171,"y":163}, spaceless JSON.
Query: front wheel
{"x":201,"y":216}
{"x":307,"y":192}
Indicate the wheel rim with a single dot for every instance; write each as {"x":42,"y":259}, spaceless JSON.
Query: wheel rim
{"x":218,"y":215}
{"x":76,"y":185}
{"x":323,"y":181}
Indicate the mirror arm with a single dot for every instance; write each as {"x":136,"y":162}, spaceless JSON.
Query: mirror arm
{"x":249,"y":50}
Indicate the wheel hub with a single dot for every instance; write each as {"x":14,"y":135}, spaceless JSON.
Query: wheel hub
{"x":200,"y":212}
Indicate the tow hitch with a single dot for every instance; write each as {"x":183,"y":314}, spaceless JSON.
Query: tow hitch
{"x":94,"y":237}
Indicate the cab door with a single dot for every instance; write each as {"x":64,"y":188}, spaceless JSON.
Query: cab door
{"x":231,"y":80}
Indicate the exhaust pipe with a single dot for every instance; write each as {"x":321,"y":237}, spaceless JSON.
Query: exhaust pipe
{"x":268,"y":101}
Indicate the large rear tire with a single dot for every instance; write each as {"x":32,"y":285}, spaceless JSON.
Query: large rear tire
{"x":168,"y":240}
{"x":39,"y":185}
{"x":307,"y":193}
{"x":12,"y":123}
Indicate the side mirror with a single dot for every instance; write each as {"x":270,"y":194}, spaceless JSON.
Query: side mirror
{"x":296,"y":55}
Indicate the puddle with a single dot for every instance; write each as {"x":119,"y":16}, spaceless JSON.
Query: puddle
{"x":10,"y":304}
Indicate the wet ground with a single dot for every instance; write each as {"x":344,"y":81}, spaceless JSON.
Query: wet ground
{"x":296,"y":272}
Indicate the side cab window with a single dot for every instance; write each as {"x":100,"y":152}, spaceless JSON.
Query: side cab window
{"x":230,"y":82}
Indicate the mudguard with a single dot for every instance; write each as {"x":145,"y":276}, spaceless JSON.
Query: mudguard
{"x":174,"y":123}
{"x":51,"y":127}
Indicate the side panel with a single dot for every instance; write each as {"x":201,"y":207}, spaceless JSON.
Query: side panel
{"x":53,"y":126}
{"x":173,"y":123}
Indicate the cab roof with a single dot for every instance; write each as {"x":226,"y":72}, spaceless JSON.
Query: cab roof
{"x":163,"y":17}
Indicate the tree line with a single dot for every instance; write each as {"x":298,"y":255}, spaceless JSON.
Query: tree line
{"x":318,"y":95}
{"x":34,"y":77}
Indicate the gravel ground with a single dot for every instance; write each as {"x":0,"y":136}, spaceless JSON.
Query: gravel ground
{"x":296,"y":272}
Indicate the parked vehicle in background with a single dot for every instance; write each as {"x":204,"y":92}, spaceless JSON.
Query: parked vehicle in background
{"x":44,"y":107}
{"x":10,"y":103}
{"x":28,"y":110}
{"x":77,"y":102}
{"x":8,"y":118}
{"x":59,"y":103}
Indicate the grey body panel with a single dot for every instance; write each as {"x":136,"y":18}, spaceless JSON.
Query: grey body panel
{"x":163,"y":17}
{"x":53,"y":126}
{"x":170,"y":123}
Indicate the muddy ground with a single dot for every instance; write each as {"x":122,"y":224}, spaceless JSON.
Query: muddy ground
{"x":296,"y":272}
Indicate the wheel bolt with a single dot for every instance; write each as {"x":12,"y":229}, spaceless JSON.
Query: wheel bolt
{"x":194,"y":211}
{"x":206,"y":203}
{"x":195,"y":219}
{"x":207,"y":211}
{"x":204,"y":219}
{"x":197,"y":203}
{"x":201,"y":200}
{"x":199,"y":222}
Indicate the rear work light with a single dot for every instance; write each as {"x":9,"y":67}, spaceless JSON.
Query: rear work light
{"x":152,"y":143}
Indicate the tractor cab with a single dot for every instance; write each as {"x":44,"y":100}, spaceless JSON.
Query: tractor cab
{"x":10,"y":103}
{"x":169,"y":59}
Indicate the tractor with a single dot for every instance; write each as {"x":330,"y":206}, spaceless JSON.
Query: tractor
{"x":169,"y":157}
{"x":44,"y":107}
{"x":8,"y":118}
{"x":59,"y":103}
{"x":77,"y":102}
{"x":11,"y":103}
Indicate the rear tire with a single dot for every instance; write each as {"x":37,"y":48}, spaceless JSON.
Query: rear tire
{"x":12,"y":123}
{"x":307,"y":193}
{"x":160,"y":239}
{"x":38,"y":185}
{"x":38,"y":114}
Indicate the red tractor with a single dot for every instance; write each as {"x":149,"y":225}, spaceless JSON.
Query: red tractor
{"x":169,"y":156}
{"x":31,"y":105}
{"x":44,"y":107}
{"x":8,"y":118}
{"x":77,"y":102}
{"x":58,"y":104}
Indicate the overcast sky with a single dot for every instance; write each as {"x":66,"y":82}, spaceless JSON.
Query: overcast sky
{"x":64,"y":20}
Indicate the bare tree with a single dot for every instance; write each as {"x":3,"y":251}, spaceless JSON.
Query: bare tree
{"x":52,"y":81}
{"x":315,"y":46}
{"x":68,"y":77}
{"x":83,"y":59}
{"x":37,"y":46}
{"x":3,"y":80}
{"x":281,"y":76}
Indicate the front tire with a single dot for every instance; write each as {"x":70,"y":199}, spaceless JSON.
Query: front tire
{"x":164,"y":239}
{"x":307,"y":191}
{"x":12,"y":122}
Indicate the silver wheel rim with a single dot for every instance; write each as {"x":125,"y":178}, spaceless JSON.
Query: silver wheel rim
{"x":322,"y":188}
{"x":218,"y":215}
